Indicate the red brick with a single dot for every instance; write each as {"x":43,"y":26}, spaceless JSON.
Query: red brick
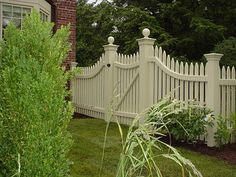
{"x":64,"y":12}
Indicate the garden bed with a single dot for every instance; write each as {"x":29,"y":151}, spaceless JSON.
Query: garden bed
{"x":226,"y":153}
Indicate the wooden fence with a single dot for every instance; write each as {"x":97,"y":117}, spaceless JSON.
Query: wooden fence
{"x":145,"y":77}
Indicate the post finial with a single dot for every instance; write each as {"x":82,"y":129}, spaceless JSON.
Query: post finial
{"x":111,"y":40}
{"x":146,"y":32}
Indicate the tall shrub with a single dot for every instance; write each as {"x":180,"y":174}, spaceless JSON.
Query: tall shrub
{"x":34,"y":114}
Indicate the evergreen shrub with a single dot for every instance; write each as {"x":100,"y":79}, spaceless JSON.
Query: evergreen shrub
{"x":34,"y":114}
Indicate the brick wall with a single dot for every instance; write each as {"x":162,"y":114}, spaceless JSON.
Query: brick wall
{"x":63,"y":13}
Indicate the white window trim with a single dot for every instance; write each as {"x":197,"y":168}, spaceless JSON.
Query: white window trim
{"x":46,"y":13}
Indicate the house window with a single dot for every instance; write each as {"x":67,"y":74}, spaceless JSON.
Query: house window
{"x":13,"y":13}
{"x":44,"y":16}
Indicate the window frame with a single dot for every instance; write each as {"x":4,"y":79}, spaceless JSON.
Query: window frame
{"x":39,"y":5}
{"x":12,"y":6}
{"x":43,"y":12}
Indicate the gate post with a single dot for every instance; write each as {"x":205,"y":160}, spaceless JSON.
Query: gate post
{"x":110,"y":58}
{"x":146,"y":46}
{"x":213,"y":92}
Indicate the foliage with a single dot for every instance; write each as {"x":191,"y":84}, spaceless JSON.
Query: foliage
{"x":205,"y":35}
{"x":233,"y":127}
{"x":33,"y":111}
{"x":92,"y":30}
{"x":190,"y":124}
{"x":143,"y":144}
{"x":185,"y":29}
{"x":222,"y":134}
{"x":226,"y":130}
{"x":220,"y":12}
{"x":228,"y":48}
{"x":95,"y":25}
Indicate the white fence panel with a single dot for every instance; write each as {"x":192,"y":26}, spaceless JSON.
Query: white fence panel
{"x":181,"y":80}
{"x":144,"y":78}
{"x":89,"y":90}
{"x":227,"y":91}
{"x":126,"y":82}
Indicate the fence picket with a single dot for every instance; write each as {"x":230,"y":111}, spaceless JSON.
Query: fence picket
{"x":223,"y":75}
{"x":186,"y":83}
{"x":233,"y":105}
{"x":168,"y":78}
{"x":172,"y":79}
{"x":168,"y":64}
{"x":164,"y":84}
{"x":160,"y":54}
{"x":156,"y":51}
{"x":196,"y":84}
{"x":164,"y":58}
{"x":181,"y":69}
{"x":155,"y":95}
{"x":160,"y":83}
{"x":201,"y":86}
{"x":191,"y":87}
{"x":228,"y":93}
{"x":177,"y":84}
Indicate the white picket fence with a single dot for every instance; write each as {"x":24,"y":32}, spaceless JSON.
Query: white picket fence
{"x":144,"y":78}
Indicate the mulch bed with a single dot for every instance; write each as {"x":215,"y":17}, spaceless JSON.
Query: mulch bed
{"x":226,"y":153}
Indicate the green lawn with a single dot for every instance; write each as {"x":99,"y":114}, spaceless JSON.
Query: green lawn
{"x":86,"y":153}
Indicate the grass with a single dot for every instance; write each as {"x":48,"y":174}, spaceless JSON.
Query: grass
{"x":86,"y":154}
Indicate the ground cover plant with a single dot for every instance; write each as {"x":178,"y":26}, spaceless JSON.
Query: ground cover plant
{"x":88,"y":135}
{"x":33,"y":111}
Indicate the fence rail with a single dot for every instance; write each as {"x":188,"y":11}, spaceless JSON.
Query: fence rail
{"x":145,"y":77}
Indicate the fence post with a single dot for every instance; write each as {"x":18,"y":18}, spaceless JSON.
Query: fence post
{"x":110,"y":58}
{"x":146,"y":51}
{"x":213,"y":92}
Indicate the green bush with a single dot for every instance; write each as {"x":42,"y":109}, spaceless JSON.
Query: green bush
{"x":33,"y":112}
{"x":189,"y":123}
{"x":226,"y":130}
{"x":222,"y":135}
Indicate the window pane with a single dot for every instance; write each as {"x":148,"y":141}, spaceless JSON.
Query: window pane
{"x":44,"y":16}
{"x":17,"y":12}
{"x":5,"y":22}
{"x":17,"y":22}
{"x":7,"y":10}
{"x":41,"y":15}
{"x":26,"y":11}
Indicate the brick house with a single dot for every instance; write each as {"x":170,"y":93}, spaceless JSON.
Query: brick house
{"x":61,"y":12}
